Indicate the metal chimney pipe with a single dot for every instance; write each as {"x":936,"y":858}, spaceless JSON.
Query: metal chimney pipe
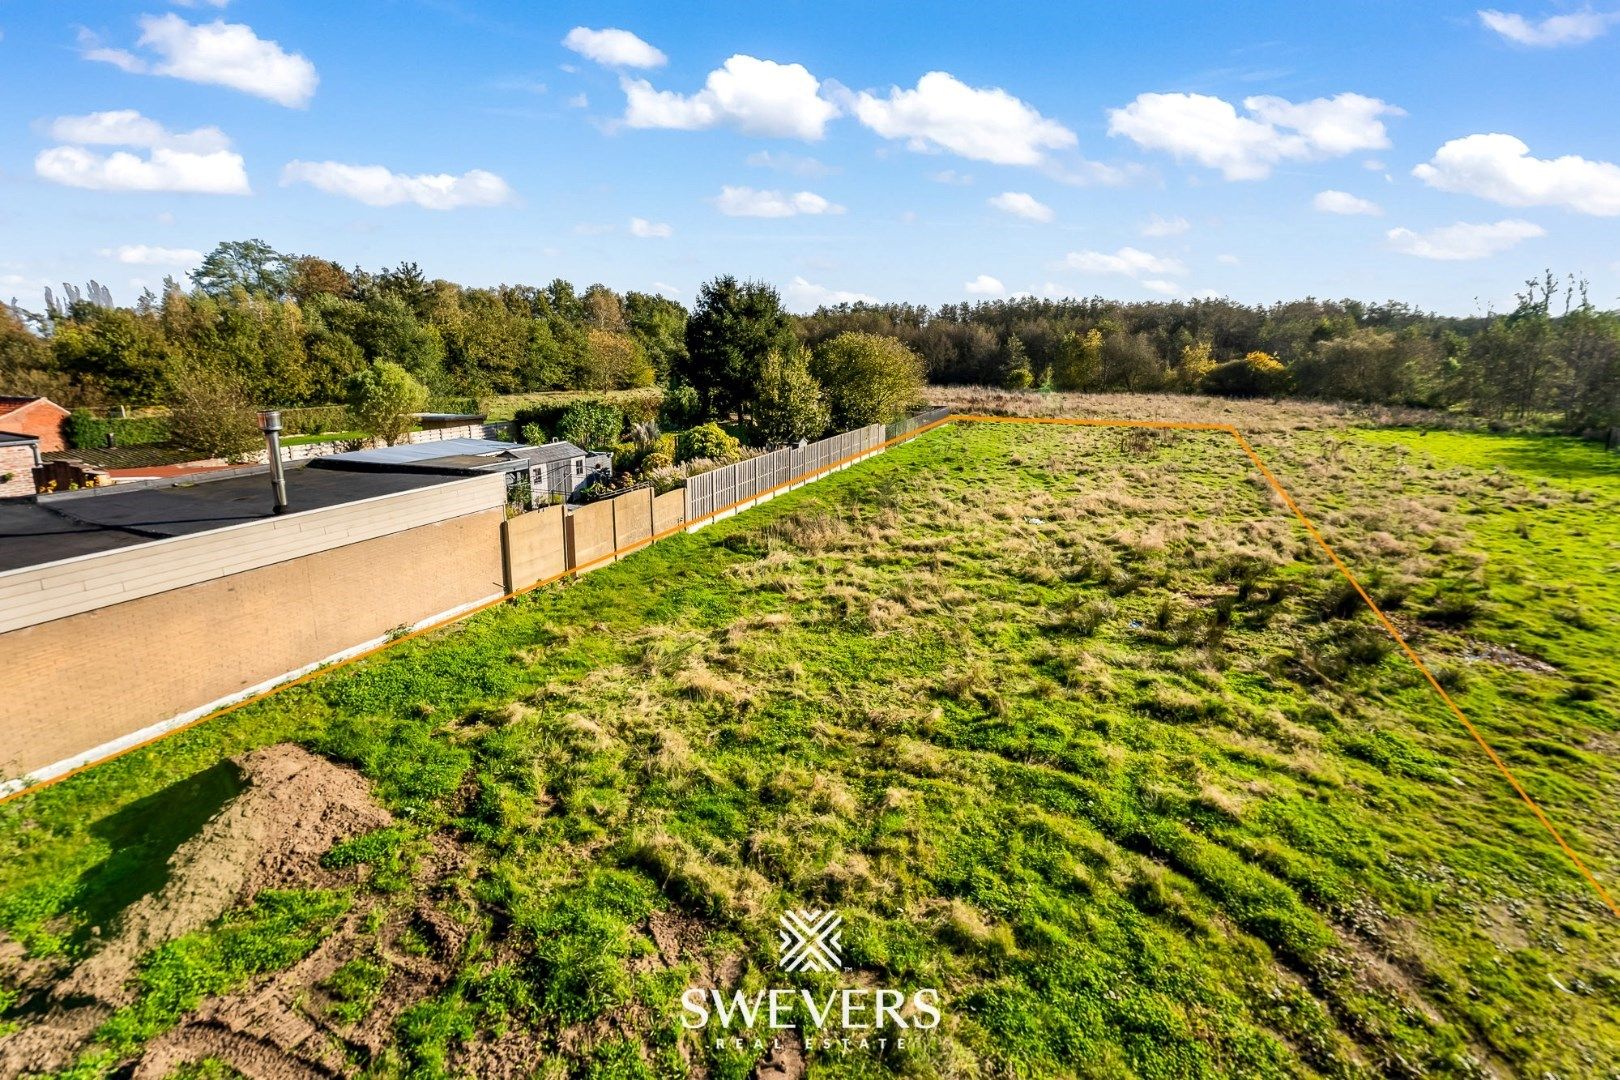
{"x":270,"y":424}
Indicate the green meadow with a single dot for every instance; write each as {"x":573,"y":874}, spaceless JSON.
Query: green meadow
{"x":1076,"y":726}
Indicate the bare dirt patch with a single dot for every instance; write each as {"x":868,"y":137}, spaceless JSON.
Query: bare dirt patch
{"x":293,"y":807}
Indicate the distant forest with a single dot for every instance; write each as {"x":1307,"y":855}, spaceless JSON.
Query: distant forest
{"x":293,"y":330}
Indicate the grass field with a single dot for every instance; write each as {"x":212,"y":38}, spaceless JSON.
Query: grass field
{"x":1075,"y":725}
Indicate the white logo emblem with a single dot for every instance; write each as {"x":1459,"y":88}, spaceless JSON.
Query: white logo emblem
{"x":809,"y":941}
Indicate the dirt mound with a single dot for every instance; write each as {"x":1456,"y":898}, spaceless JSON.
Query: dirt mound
{"x":294,"y":805}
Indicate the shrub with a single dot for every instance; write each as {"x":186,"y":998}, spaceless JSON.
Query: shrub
{"x":788,"y":405}
{"x":383,"y":399}
{"x":869,"y":379}
{"x":212,"y":415}
{"x":590,"y":424}
{"x":1256,"y":375}
{"x":705,"y":441}
{"x":681,"y":408}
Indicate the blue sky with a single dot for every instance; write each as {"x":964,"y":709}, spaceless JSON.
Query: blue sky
{"x":911,"y":152}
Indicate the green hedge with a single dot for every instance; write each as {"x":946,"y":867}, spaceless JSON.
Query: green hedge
{"x":314,"y":419}
{"x":86,"y":432}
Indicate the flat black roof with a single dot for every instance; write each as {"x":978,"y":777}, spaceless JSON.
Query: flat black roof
{"x":34,"y":533}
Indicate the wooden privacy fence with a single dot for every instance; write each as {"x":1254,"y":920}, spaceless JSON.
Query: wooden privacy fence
{"x":545,"y":544}
{"x":723,"y":491}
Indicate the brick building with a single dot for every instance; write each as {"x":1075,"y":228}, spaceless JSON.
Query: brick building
{"x":18,"y":456}
{"x":40,"y":417}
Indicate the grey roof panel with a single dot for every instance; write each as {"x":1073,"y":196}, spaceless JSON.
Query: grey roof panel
{"x":422,"y":451}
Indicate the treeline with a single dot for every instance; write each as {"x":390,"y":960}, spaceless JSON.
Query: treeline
{"x":290,"y":330}
{"x":296,"y":330}
{"x":1555,"y":355}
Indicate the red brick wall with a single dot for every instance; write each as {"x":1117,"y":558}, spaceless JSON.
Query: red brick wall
{"x":41,"y":419}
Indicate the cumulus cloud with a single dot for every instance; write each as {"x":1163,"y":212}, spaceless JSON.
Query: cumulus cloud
{"x":614,"y":48}
{"x":984,"y":285}
{"x":1021,"y":204}
{"x":1129,"y":261}
{"x":650,"y":230}
{"x":1576,"y":28}
{"x":1342,"y":202}
{"x":219,"y":173}
{"x":803,"y":295}
{"x":126,"y":127}
{"x":750,"y":202}
{"x":1159,"y":285}
{"x":1210,"y":130}
{"x":943,"y":113}
{"x":199,"y":161}
{"x":1163,"y":226}
{"x":1500,"y":168}
{"x":150,"y":255}
{"x":218,"y":53}
{"x":1463,"y":241}
{"x":377,"y":185}
{"x":756,"y":97}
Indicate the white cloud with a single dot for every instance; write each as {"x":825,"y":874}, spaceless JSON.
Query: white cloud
{"x":614,"y":48}
{"x":1576,"y":28}
{"x":218,"y":173}
{"x":951,"y":176}
{"x":1021,"y":204}
{"x":579,"y":101}
{"x":1129,"y":261}
{"x":943,"y":113}
{"x":797,"y":164}
{"x":376,"y":185}
{"x":1500,"y":168}
{"x":1159,"y":285}
{"x":650,"y":230}
{"x":667,"y":290}
{"x":126,"y":127}
{"x":1462,"y":241}
{"x":1210,"y":131}
{"x":757,"y":97}
{"x":1163,"y":226}
{"x":199,"y":161}
{"x":1228,"y":260}
{"x":1342,"y":202}
{"x":984,"y":285}
{"x":803,"y":295}
{"x":150,"y":255}
{"x":218,"y":53}
{"x":749,"y":202}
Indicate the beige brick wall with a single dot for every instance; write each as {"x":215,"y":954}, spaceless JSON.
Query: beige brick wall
{"x":73,"y":684}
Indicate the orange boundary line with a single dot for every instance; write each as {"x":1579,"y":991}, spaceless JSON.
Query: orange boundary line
{"x":1243,"y":443}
